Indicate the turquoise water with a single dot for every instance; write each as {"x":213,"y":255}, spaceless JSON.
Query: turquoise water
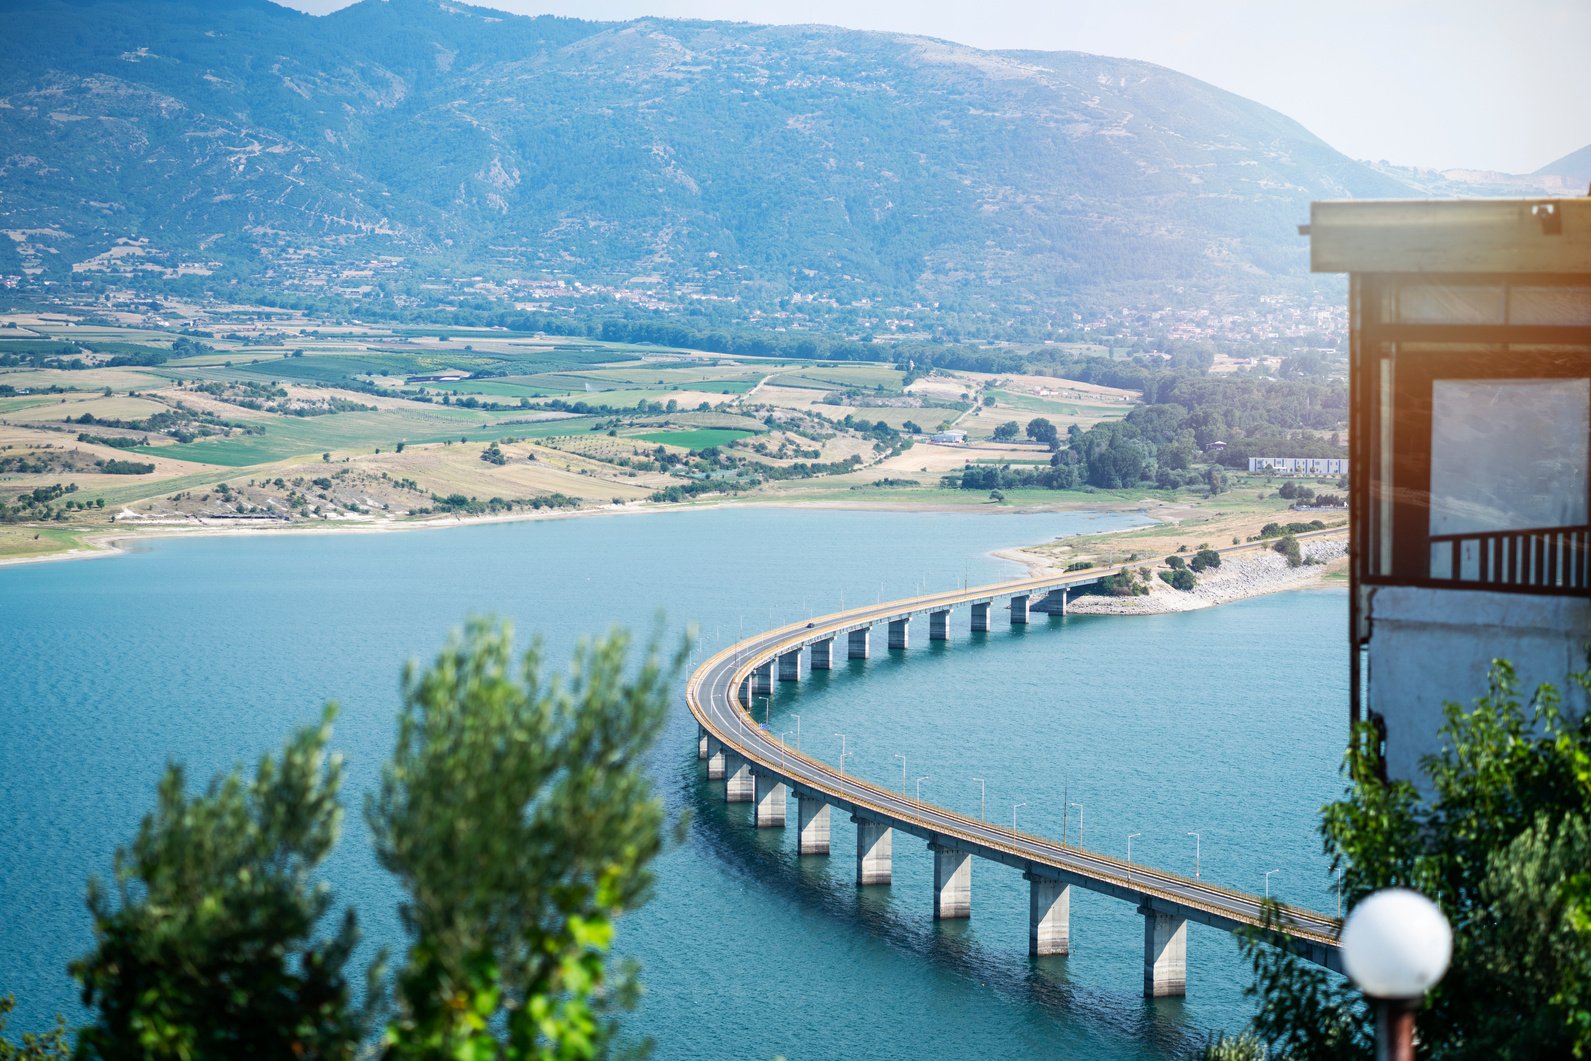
{"x":1226,"y":721}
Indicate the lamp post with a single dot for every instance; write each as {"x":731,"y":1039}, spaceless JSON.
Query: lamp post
{"x":920,"y":781}
{"x":842,"y":761}
{"x":902,"y":759}
{"x":1195,"y":855}
{"x":798,"y":729}
{"x":1268,"y":882}
{"x":983,"y":789}
{"x":1079,"y":807}
{"x":1129,"y":853}
{"x":1395,"y":946}
{"x":1014,"y":806}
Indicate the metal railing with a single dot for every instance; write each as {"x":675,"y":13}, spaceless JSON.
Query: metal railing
{"x":1553,"y":560}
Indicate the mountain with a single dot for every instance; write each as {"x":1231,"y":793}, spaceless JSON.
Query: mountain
{"x":719,"y":167}
{"x":1574,"y":168}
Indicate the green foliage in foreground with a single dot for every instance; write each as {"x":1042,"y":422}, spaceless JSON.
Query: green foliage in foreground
{"x":517,"y":814}
{"x":208,"y":948}
{"x":515,"y":811}
{"x":1503,"y":846}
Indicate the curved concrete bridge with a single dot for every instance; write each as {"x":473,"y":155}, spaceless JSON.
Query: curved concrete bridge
{"x":758,"y":768}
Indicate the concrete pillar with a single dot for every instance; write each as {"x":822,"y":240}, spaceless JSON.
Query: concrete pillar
{"x":813,"y":816}
{"x":762,"y":680}
{"x":790,"y":665}
{"x":874,"y":841}
{"x":715,"y":760}
{"x":858,"y":642}
{"x":1019,"y":610}
{"x":701,"y":742}
{"x":952,"y":883}
{"x":1049,"y":916}
{"x":1054,"y":602}
{"x":899,"y":630}
{"x":1165,"y":954}
{"x":980,"y":618}
{"x":745,"y":692}
{"x":823,"y":654}
{"x":770,"y":798}
{"x":939,"y":626}
{"x":738,"y":786}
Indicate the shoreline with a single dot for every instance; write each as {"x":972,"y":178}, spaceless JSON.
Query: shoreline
{"x":1240,"y":577}
{"x":121,"y":539}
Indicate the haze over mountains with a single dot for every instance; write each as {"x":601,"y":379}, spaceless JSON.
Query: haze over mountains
{"x":713,"y":166}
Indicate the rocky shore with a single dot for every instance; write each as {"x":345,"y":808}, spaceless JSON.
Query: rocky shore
{"x":1239,"y":576}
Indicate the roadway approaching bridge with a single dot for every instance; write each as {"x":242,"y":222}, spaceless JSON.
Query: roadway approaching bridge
{"x":758,"y":768}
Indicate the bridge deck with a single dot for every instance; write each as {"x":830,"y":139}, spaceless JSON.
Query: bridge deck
{"x":713,"y":695}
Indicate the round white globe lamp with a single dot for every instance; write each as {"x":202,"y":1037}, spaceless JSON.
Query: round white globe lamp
{"x":1396,"y":945}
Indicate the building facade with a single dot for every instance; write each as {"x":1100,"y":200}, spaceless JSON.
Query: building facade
{"x":1299,"y":465}
{"x":1470,"y":424}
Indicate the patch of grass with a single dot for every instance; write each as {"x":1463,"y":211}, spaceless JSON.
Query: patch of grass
{"x":700,"y":438}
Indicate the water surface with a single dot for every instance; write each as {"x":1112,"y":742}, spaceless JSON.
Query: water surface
{"x":209,"y":651}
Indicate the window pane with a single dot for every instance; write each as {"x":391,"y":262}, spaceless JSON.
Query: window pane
{"x":1432,"y":303}
{"x":1509,"y":454}
{"x":1550,"y":305}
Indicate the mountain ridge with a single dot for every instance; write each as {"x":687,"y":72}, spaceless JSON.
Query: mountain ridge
{"x":735,"y":165}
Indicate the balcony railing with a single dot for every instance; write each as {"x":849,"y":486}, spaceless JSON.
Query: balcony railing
{"x":1553,"y":560}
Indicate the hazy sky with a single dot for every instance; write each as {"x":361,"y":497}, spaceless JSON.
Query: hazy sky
{"x":1478,"y":84}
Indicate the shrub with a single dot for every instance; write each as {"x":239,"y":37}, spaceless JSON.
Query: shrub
{"x":1288,"y":547}
{"x":1180,"y":579}
{"x":1205,"y":559}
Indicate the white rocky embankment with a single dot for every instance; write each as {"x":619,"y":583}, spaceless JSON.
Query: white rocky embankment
{"x":1239,"y":576}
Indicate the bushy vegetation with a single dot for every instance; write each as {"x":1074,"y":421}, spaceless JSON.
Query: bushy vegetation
{"x":517,"y":815}
{"x":1501,"y":841}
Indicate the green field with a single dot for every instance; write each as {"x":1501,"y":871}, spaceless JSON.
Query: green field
{"x":701,"y":438}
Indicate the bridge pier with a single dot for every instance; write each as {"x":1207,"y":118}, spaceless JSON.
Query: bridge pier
{"x":701,"y":742}
{"x":813,"y":817}
{"x":790,"y":665}
{"x":898,"y":632}
{"x":939,"y":626}
{"x":1165,"y":954}
{"x":745,"y":692}
{"x":1054,"y":602}
{"x":823,"y":654}
{"x":858,"y":642}
{"x":1049,"y":916}
{"x":1019,"y":610}
{"x":762,"y":680}
{"x":952,"y":883}
{"x":980,"y":618}
{"x":737,"y":780}
{"x":874,"y":845}
{"x":715,"y":760}
{"x":770,"y":794}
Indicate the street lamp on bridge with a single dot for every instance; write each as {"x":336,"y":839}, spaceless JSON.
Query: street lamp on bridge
{"x":1079,"y":807}
{"x":920,"y":781}
{"x":1195,"y":854}
{"x":982,"y":791}
{"x":1268,"y":882}
{"x":902,"y":759}
{"x":1129,"y":853}
{"x":1014,"y":806}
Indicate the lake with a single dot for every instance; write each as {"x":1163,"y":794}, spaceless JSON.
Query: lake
{"x":1229,"y":722}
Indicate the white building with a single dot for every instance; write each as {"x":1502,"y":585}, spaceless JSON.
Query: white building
{"x":1299,"y":465}
{"x":950,"y":438}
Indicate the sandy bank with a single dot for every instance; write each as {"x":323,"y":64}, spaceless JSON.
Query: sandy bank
{"x":1240,"y":576}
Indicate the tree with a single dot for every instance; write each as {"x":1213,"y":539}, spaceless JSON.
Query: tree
{"x":1204,"y":559}
{"x":517,"y":814}
{"x":1288,"y":546}
{"x":1502,"y":843}
{"x":209,"y":947}
{"x":48,"y":1046}
{"x":1007,"y":431}
{"x":1215,"y":478}
{"x":1041,"y":430}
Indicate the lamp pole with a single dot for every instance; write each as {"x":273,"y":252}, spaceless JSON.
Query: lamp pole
{"x":1268,"y":882}
{"x":1129,"y":853}
{"x":1195,"y":855}
{"x":1395,"y":946}
{"x":920,"y":781}
{"x":902,"y":759}
{"x":982,"y":791}
{"x":798,"y":729}
{"x":1014,"y":806}
{"x":1079,"y":807}
{"x":842,"y":761}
